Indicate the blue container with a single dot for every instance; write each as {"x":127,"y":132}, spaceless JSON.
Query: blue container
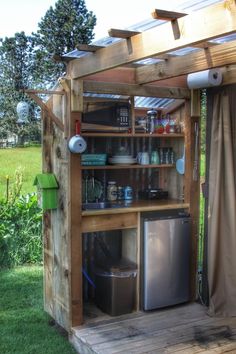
{"x":128,"y":193}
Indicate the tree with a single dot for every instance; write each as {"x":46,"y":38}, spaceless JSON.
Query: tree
{"x":27,"y":61}
{"x":60,"y":30}
{"x":16,"y":55}
{"x":15,"y":59}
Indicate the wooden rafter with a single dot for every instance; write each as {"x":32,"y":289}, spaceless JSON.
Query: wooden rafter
{"x":44,"y":107}
{"x":165,"y":15}
{"x":118,"y":33}
{"x":203,"y":25}
{"x":216,"y":56}
{"x":135,"y":90}
{"x":88,"y":47}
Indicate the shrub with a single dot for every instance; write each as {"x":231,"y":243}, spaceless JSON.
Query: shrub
{"x":20,"y":231}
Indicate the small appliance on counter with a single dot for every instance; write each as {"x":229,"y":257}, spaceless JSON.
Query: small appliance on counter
{"x":153,"y":193}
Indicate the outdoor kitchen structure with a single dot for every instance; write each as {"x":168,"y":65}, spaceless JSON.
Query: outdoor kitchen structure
{"x":136,"y":158}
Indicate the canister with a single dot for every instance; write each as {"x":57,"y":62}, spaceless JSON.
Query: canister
{"x":128,"y":193}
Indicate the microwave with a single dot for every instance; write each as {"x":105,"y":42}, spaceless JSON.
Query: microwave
{"x":115,"y":116}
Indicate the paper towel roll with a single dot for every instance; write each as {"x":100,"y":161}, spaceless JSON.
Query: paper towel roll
{"x":206,"y":78}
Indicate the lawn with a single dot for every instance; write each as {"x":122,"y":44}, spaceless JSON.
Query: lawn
{"x":24,"y":327}
{"x":27,"y":159}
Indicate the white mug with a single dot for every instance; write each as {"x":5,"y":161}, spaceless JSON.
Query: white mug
{"x":143,"y":158}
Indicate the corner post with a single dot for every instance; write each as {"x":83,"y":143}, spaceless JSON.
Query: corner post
{"x":75,"y":219}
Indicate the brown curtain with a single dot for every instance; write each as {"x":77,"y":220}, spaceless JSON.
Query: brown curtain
{"x":222,"y":204}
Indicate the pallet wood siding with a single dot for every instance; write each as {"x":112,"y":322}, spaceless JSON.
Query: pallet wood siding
{"x":56,"y":247}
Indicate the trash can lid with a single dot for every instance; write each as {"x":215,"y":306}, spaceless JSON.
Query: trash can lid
{"x":117,"y":266}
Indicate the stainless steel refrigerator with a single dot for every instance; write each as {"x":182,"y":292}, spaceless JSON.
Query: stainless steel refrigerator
{"x":165,"y":260}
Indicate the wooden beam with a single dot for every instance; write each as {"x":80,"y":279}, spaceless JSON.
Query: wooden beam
{"x":88,"y":47}
{"x":45,"y":92}
{"x":44,"y":107}
{"x":216,"y":56}
{"x":135,"y":90}
{"x":118,"y":33}
{"x":204,"y":45}
{"x":203,"y":25}
{"x":165,"y":15}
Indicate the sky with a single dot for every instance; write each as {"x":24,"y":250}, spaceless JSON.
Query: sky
{"x":24,"y":15}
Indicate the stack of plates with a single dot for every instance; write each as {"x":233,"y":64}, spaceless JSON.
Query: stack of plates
{"x":122,"y":160}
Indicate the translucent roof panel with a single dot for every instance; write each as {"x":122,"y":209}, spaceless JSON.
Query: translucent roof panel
{"x":152,"y":102}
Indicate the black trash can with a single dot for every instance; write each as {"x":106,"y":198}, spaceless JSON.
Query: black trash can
{"x":115,"y":288}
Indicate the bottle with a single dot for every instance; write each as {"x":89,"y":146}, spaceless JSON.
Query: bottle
{"x":111,"y":191}
{"x":152,"y":116}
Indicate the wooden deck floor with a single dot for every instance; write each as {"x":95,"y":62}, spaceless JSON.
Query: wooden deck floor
{"x":185,"y":329}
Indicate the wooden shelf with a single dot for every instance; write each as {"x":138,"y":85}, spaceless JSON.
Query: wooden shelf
{"x":130,"y":135}
{"x":125,"y":166}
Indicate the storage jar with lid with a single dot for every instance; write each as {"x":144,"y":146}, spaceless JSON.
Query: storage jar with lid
{"x":111,"y":191}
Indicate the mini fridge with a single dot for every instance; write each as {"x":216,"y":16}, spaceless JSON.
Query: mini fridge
{"x":165,"y":260}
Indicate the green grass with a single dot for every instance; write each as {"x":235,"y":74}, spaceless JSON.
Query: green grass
{"x":24,"y":326}
{"x":27,"y":159}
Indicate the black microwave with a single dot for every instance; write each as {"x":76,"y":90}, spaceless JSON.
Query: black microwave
{"x":115,"y":116}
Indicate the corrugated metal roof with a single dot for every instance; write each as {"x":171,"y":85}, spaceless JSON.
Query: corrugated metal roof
{"x":187,"y":7}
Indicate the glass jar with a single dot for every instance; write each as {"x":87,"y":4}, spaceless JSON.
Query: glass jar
{"x":152,"y":117}
{"x":111,"y":191}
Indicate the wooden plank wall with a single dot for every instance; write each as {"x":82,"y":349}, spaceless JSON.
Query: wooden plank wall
{"x":56,"y":238}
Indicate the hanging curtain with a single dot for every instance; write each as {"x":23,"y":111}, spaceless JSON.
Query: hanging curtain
{"x":222,"y":203}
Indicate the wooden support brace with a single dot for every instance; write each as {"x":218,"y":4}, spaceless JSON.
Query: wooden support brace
{"x":65,"y":83}
{"x":195,"y":107}
{"x":44,"y":107}
{"x":172,"y":16}
{"x":77,"y":95}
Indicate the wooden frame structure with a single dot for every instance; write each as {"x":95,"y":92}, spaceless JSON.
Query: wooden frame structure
{"x":114,"y":70}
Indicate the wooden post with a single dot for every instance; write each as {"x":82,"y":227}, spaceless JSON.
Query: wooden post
{"x":192,"y":187}
{"x":75,"y":225}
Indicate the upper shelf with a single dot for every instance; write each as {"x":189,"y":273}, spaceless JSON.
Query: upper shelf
{"x":135,"y":135}
{"x":125,"y":166}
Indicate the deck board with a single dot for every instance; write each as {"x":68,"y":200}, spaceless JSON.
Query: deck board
{"x":185,"y":329}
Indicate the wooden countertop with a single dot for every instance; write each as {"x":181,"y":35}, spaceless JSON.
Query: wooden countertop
{"x":140,"y":206}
